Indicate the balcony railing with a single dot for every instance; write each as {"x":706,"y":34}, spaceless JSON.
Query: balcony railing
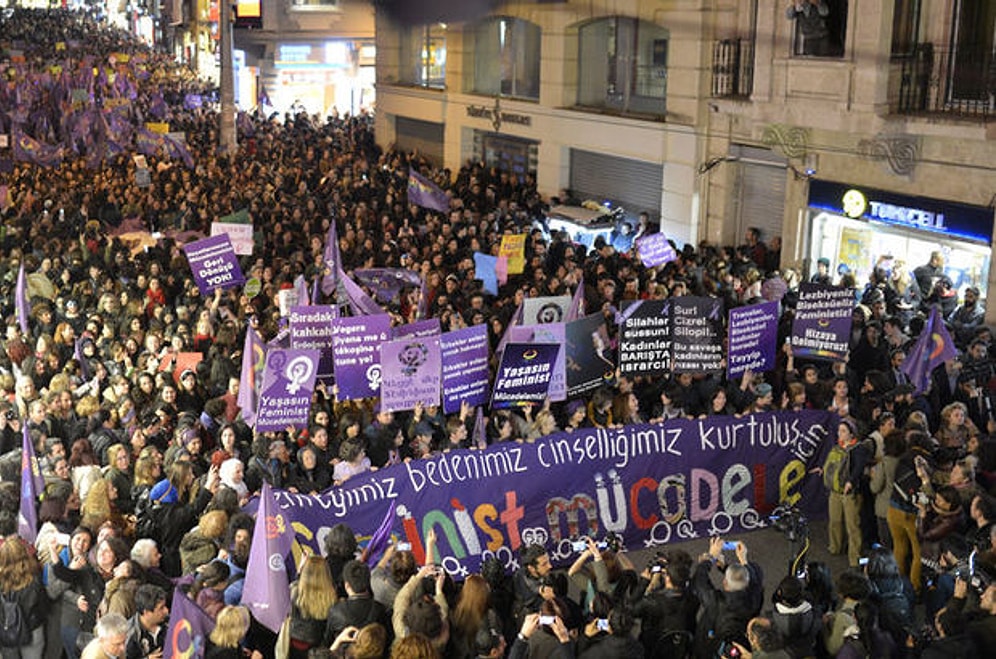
{"x":958,"y":83}
{"x":733,"y":68}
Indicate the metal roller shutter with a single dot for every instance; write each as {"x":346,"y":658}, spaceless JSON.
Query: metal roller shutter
{"x":425,"y":137}
{"x":760,"y":193}
{"x":634,"y":184}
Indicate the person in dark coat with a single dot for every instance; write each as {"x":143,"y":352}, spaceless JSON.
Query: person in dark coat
{"x":359,"y":608}
{"x":174,"y":513}
{"x":726,"y":610}
{"x":665,"y":606}
{"x":795,"y":618}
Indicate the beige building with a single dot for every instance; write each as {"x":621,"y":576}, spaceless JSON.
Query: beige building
{"x":862,"y":132}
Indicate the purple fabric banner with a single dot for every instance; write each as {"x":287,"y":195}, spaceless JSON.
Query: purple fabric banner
{"x":21,"y":302}
{"x":332,"y":261}
{"x":549,"y":333}
{"x":267,"y":592}
{"x":465,"y":367}
{"x":423,"y":192}
{"x":214,"y":264}
{"x":189,"y":628}
{"x":28,"y":149}
{"x":651,"y":484}
{"x":932,"y":348}
{"x":311,"y":329}
{"x":645,"y":338}
{"x":420,"y":328}
{"x":822,"y":325}
{"x":251,"y":375}
{"x":193,"y":101}
{"x":386,"y":283}
{"x":753,"y":338}
{"x":696,"y":334}
{"x":288,"y":381}
{"x":590,"y":362}
{"x":31,"y":485}
{"x":655,"y":250}
{"x":356,"y":351}
{"x":524,"y":375}
{"x":411,"y":373}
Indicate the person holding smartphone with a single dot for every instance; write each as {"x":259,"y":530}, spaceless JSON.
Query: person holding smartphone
{"x":727,"y":609}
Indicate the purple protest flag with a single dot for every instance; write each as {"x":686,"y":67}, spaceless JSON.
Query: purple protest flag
{"x":28,"y":149}
{"x":147,"y":142}
{"x":387,"y":283}
{"x":177,"y":148}
{"x":423,"y":300}
{"x":332,"y":260}
{"x":361,"y":303}
{"x":31,"y":484}
{"x":516,"y":319}
{"x":301,"y":285}
{"x":267,"y":593}
{"x":423,"y":192}
{"x":576,"y":309}
{"x":932,"y":348}
{"x":480,"y":434}
{"x":253,"y":359}
{"x":189,"y":627}
{"x":21,"y":299}
{"x":381,"y":537}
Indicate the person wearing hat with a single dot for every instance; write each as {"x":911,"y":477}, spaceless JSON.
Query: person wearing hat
{"x":967,"y":318}
{"x":842,"y":472}
{"x":763,"y":398}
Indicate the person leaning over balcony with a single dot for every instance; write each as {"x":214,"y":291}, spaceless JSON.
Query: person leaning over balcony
{"x":810,"y":16}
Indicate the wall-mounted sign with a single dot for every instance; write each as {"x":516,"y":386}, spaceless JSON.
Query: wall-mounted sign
{"x":922,"y":213}
{"x":484,"y":112}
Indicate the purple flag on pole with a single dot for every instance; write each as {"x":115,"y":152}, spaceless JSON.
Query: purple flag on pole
{"x":267,"y":593}
{"x":381,"y":537}
{"x":288,"y":381}
{"x":386,"y":283}
{"x":480,"y":434}
{"x":21,"y":299}
{"x":423,"y":192}
{"x":189,"y":627}
{"x":251,"y":375}
{"x":576,"y":309}
{"x":516,"y":319}
{"x":31,"y":484}
{"x":28,"y":149}
{"x":361,"y":303}
{"x":332,"y":260}
{"x":932,"y":348}
{"x":301,"y":285}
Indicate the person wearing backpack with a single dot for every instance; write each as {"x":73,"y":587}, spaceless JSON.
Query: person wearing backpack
{"x":22,"y":602}
{"x":842,"y":472}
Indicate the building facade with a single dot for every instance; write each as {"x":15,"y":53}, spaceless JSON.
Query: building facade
{"x":861,"y":132}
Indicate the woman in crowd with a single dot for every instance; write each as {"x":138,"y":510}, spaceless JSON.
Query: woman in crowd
{"x":227,"y":639}
{"x":312,"y":595}
{"x":20,"y":583}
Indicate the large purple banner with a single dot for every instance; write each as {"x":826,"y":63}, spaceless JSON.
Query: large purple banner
{"x":524,"y":375}
{"x":411,"y":373}
{"x":214,"y":264}
{"x":356,"y":352}
{"x":645,"y":338}
{"x":753,"y":338}
{"x":822,"y":325}
{"x":288,"y":382}
{"x":652,"y":484}
{"x":548,"y":333}
{"x":465,"y":367}
{"x":311,"y":329}
{"x":697,"y":334}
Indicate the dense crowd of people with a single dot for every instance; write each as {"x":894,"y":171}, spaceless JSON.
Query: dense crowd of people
{"x":147,"y":467}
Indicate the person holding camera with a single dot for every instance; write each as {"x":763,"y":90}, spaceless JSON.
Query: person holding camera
{"x":665,"y":607}
{"x":981,"y":626}
{"x":726,"y":610}
{"x":609,"y":571}
{"x":535,"y":625}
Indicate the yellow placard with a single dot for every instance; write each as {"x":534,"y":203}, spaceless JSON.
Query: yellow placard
{"x":158,"y":127}
{"x":60,"y":45}
{"x":513,"y":247}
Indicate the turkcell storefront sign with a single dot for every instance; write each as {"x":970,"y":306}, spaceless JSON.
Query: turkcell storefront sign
{"x":945,"y":217}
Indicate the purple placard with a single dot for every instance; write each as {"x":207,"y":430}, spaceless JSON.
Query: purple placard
{"x":193,"y":101}
{"x":589,"y":357}
{"x":427,"y":327}
{"x":311,"y":328}
{"x":753,"y":338}
{"x":288,"y":381}
{"x":696,"y":334}
{"x":356,"y":351}
{"x":655,"y":250}
{"x":645,"y":338}
{"x":822,"y":325}
{"x":411,"y":372}
{"x":679,"y":479}
{"x":465,"y":367}
{"x":214,"y":264}
{"x":549,"y":333}
{"x":524,"y":375}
